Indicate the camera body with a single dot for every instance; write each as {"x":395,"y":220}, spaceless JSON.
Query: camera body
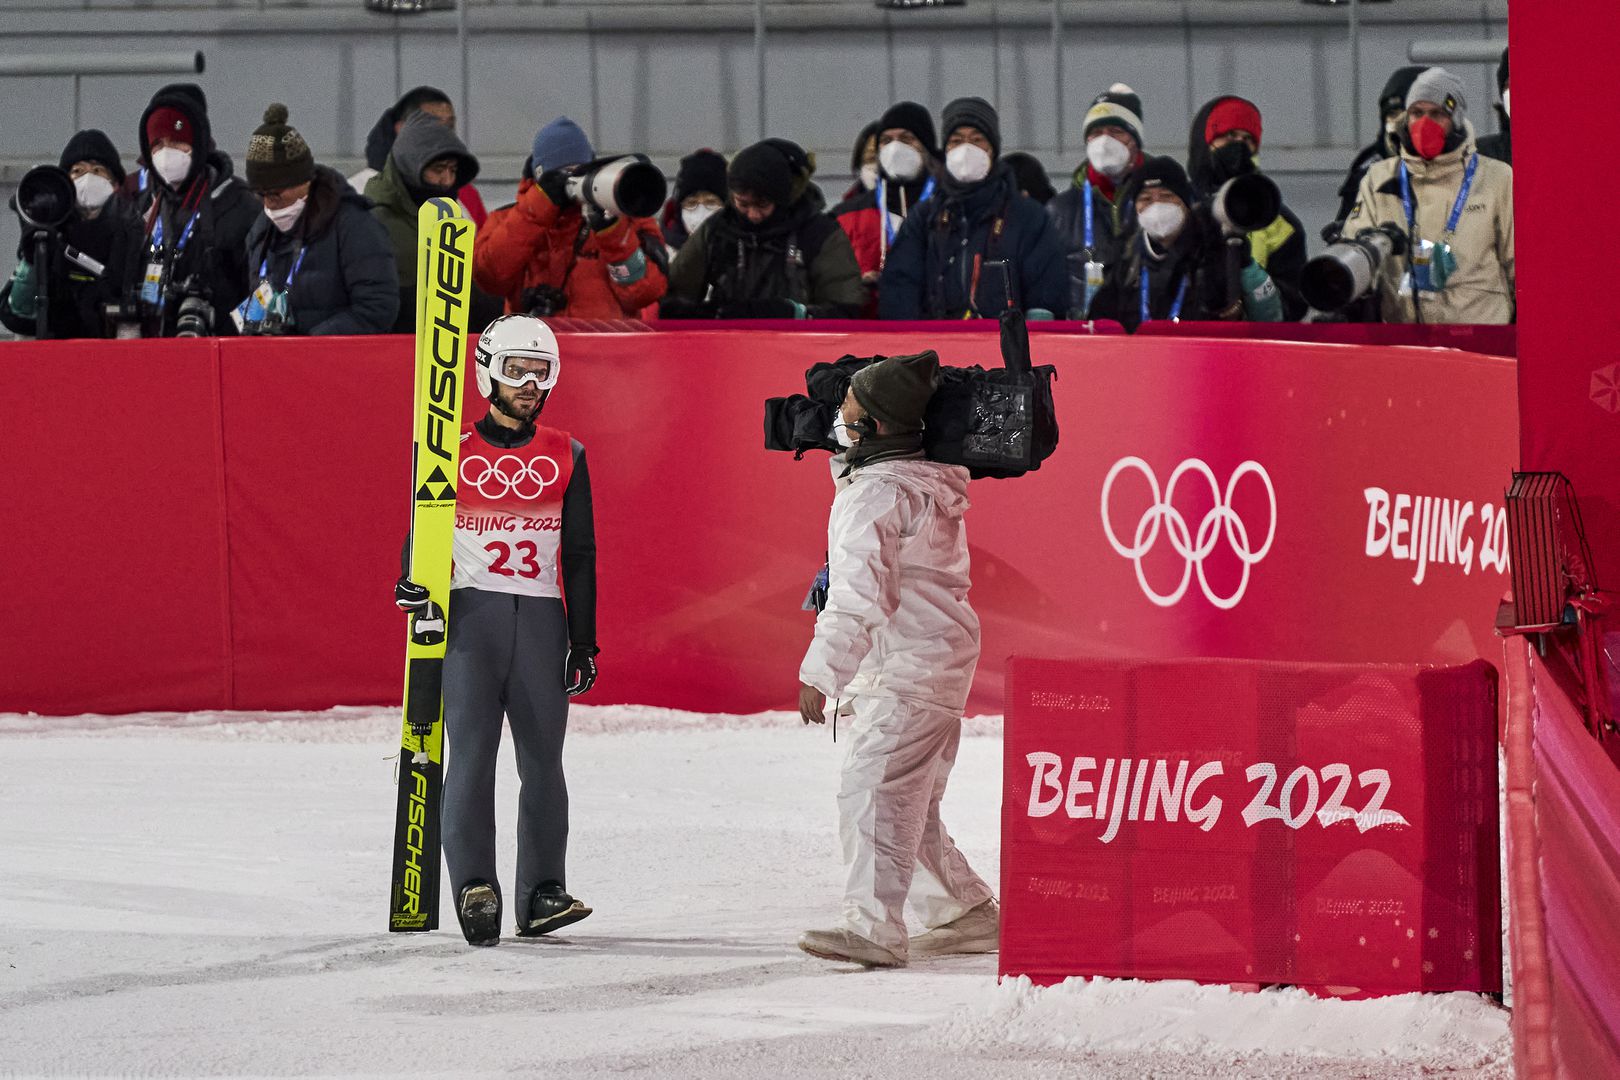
{"x":195,"y":315}
{"x":1348,"y":269}
{"x":628,"y":185}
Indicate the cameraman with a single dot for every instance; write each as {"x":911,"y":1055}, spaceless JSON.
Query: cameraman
{"x":1175,"y":266}
{"x":319,"y":262}
{"x":186,"y":273}
{"x":98,"y":228}
{"x":1455,"y":207}
{"x":546,"y":254}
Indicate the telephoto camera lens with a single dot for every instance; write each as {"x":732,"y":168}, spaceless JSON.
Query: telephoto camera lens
{"x":628,"y":186}
{"x":45,"y":197}
{"x":1347,"y":270}
{"x":1246,"y":203}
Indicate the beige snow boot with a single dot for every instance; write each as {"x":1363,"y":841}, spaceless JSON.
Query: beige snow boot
{"x":848,"y":945}
{"x":976,"y":931}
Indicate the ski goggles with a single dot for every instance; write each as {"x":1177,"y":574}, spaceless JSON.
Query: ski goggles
{"x":523,"y":369}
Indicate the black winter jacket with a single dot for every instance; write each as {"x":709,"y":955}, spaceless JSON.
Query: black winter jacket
{"x":732,"y":269}
{"x":931,"y":268}
{"x":212,"y":257}
{"x":1112,"y":223}
{"x":1198,"y":257}
{"x":347,"y":281}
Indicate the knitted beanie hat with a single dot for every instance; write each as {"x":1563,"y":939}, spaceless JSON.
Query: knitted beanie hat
{"x":1440,"y":87}
{"x":973,"y":112}
{"x":1118,"y":106}
{"x":277,"y":156}
{"x":896,"y":390}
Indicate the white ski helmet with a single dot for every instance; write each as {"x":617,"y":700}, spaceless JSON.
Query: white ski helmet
{"x":513,"y":335}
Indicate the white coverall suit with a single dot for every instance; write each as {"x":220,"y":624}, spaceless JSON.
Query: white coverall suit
{"x":899,"y":640}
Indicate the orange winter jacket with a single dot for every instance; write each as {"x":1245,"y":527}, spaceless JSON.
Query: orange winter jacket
{"x":611,"y":274}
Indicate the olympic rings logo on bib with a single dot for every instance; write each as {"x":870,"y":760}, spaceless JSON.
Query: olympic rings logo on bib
{"x":1193,"y":546}
{"x":509,"y":475}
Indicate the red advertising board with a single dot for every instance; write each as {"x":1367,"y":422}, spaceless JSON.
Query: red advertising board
{"x":1330,"y":826}
{"x":1264,"y":499}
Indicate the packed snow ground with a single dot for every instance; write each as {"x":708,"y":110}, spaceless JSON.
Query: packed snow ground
{"x":205,"y":894}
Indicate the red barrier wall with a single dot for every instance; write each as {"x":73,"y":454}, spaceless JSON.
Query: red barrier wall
{"x":1330,"y":826}
{"x":286,"y":463}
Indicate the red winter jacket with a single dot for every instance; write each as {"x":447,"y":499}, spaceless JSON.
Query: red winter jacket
{"x":864,"y":227}
{"x":611,"y":274}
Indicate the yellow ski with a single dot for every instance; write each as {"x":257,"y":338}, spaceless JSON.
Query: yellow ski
{"x":443,"y":292}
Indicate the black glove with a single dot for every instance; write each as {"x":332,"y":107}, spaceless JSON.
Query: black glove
{"x":599,"y":220}
{"x":409,"y":596}
{"x":775,"y":308}
{"x":579,"y":670}
{"x":554,"y":182}
{"x":677,"y":307}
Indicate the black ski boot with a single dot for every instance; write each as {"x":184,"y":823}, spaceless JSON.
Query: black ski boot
{"x":551,"y":908}
{"x":479,"y":909}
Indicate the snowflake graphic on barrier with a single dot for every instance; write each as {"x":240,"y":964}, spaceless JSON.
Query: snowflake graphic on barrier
{"x":1606,"y":388}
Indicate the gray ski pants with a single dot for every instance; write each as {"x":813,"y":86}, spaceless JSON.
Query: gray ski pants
{"x":505,"y":656}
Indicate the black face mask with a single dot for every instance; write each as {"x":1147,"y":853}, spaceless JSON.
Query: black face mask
{"x":1233,"y":159}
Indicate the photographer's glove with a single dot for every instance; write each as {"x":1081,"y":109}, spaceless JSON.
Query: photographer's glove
{"x":678,"y":307}
{"x":579,"y":670}
{"x":553,"y":183}
{"x":775,"y":308}
{"x":409,"y":596}
{"x":23,"y":294}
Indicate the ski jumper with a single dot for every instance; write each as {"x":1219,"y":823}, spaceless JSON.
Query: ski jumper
{"x":523,"y":512}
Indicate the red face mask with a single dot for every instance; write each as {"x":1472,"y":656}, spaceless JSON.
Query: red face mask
{"x":1428,"y":138}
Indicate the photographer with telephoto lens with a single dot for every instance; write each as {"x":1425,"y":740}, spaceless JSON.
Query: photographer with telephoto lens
{"x":1181,"y":262}
{"x":75,"y":227}
{"x":1224,"y":146}
{"x":1455,"y":207}
{"x":580,"y":241}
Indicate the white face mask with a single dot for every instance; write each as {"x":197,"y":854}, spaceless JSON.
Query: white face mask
{"x":1161,"y":221}
{"x":94,"y":191}
{"x":869,"y":175}
{"x":172,"y":164}
{"x":1505,"y":107}
{"x":1108,"y":156}
{"x":840,"y":431}
{"x":287,"y":216}
{"x":900,"y":161}
{"x":693,"y":216}
{"x":968,"y":163}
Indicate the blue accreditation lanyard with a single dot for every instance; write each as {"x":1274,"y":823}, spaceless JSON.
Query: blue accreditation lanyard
{"x":1175,"y":308}
{"x":1090,"y":226}
{"x":883,"y":205}
{"x":1457,"y":205}
{"x":185,"y":234}
{"x":292,"y":272}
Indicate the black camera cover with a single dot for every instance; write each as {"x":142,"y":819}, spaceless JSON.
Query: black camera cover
{"x":998,"y":422}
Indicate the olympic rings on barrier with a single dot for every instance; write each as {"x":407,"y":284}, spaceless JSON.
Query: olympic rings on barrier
{"x":509,"y":475}
{"x":1192,"y":547}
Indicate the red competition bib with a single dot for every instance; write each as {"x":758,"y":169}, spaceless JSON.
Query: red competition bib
{"x":509,"y":513}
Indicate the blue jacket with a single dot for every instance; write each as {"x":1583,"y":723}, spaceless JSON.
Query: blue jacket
{"x":946,"y":243}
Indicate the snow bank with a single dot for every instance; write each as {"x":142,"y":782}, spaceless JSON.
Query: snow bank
{"x":1106,"y":1016}
{"x":380,"y":723}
